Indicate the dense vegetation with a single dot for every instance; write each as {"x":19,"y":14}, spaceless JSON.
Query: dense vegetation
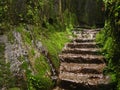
{"x":109,"y":39}
{"x":45,"y":21}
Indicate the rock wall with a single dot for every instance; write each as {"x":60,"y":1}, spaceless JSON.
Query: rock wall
{"x":13,"y":51}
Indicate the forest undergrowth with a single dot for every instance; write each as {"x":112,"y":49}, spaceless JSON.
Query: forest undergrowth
{"x":109,"y":40}
{"x":40,"y":21}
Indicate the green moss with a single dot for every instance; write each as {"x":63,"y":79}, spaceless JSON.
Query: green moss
{"x":27,"y":37}
{"x":40,"y":83}
{"x":54,"y":43}
{"x":2,"y":46}
{"x":20,"y":28}
{"x":108,"y":44}
{"x":41,"y":80}
{"x":21,"y":58}
{"x":10,"y":37}
{"x":41,"y":65}
{"x":100,"y":39}
{"x":32,"y":52}
{"x":110,"y":40}
{"x":53,"y":38}
{"x":2,"y":59}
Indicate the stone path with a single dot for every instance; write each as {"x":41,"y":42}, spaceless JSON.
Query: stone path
{"x":82,"y":65}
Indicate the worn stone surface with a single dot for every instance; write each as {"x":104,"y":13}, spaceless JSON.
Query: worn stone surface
{"x":82,"y":65}
{"x":19,"y":53}
{"x":13,"y":52}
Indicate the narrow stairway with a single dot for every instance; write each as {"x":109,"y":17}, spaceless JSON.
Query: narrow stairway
{"x":81,"y":66}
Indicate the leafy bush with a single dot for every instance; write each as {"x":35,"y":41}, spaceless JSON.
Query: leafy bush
{"x":109,"y":38}
{"x":40,"y":83}
{"x":54,"y":44}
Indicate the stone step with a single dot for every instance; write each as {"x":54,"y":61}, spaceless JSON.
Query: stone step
{"x":85,"y":79}
{"x":66,"y":84}
{"x":89,"y":31}
{"x":80,"y":40}
{"x":90,"y":34}
{"x":96,"y":29}
{"x":79,"y":58}
{"x":92,"y":51}
{"x":82,"y":68}
{"x":86,"y":35}
{"x":82,"y":45}
{"x":85,"y":31}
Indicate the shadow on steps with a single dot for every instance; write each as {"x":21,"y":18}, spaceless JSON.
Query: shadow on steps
{"x":72,"y":86}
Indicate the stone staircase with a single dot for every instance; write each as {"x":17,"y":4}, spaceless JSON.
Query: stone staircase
{"x":81,"y":66}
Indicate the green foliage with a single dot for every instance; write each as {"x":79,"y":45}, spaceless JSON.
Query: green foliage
{"x":1,"y":49}
{"x":39,"y":83}
{"x":11,"y":37}
{"x":108,"y":47}
{"x":118,"y":86}
{"x":69,"y":19}
{"x":107,"y":44}
{"x":3,"y":10}
{"x":27,"y":37}
{"x":109,"y":38}
{"x":40,"y":80}
{"x":113,"y":77}
{"x":100,"y":38}
{"x":42,"y":66}
{"x":24,"y":33}
{"x":32,"y":52}
{"x":15,"y":88}
{"x":49,"y":28}
{"x":54,"y":42}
